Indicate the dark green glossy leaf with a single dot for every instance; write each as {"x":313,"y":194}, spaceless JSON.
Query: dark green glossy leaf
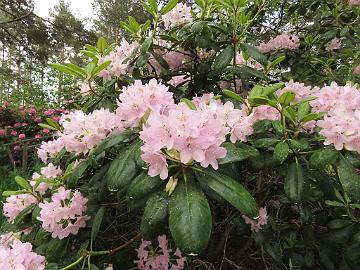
{"x":322,"y":158}
{"x":294,"y":182}
{"x":123,"y":169}
{"x":254,"y":53}
{"x":154,"y":217}
{"x":142,"y":185}
{"x":190,"y":218}
{"x":232,"y":191}
{"x":349,"y":179}
{"x":97,"y":223}
{"x":281,"y":152}
{"x":238,"y":153}
{"x":223,"y":59}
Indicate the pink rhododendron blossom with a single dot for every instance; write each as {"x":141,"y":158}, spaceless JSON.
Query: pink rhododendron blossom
{"x":105,"y":74}
{"x":38,"y":136}
{"x":50,"y":148}
{"x":21,"y":107}
{"x":82,"y":132}
{"x":22,"y":136}
{"x":334,"y":44}
{"x":51,"y":171}
{"x":16,"y":255}
{"x":17,"y":125}
{"x":6,"y":103}
{"x":42,"y":187}
{"x":13,"y":133}
{"x":341,"y":123}
{"x":118,"y":57}
{"x":175,"y":81}
{"x":32,"y":110}
{"x":357,"y":70}
{"x":162,"y":259}
{"x":46,"y":130}
{"x":56,"y":118}
{"x":354,"y":2}
{"x":180,"y":14}
{"x":264,"y":112}
{"x":240,"y":60}
{"x":49,"y":112}
{"x":301,"y":91}
{"x":283,"y":41}
{"x":64,"y":214}
{"x":2,"y":132}
{"x":136,"y":99}
{"x":14,"y":204}
{"x":174,"y":59}
{"x":86,"y":87}
{"x":256,"y":225}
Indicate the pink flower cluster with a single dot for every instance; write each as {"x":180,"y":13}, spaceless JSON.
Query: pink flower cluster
{"x":301,"y":90}
{"x":81,"y":133}
{"x":64,"y":215}
{"x":354,"y":2}
{"x":357,"y":70}
{"x":160,"y":260}
{"x":240,"y":60}
{"x":256,"y":225}
{"x":180,"y":14}
{"x":333,"y":45}
{"x":119,"y":64}
{"x":16,"y":255}
{"x":136,"y":99}
{"x":48,"y":172}
{"x":14,"y":204}
{"x":192,"y":135}
{"x":283,"y":41}
{"x":341,"y":123}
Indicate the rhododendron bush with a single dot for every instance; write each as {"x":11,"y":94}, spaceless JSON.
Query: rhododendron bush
{"x":203,"y":140}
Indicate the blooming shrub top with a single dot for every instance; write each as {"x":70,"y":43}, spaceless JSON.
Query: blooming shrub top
{"x":190,"y":121}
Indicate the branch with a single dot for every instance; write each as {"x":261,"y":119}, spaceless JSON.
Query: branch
{"x":18,"y":18}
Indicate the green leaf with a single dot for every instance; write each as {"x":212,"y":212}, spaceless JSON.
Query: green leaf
{"x":278,"y":60}
{"x":55,"y":249}
{"x":123,"y":169}
{"x":303,"y":110}
{"x":47,"y":126}
{"x":294,"y":182}
{"x":169,"y":6}
{"x":146,"y":45}
{"x":78,"y":171}
{"x":310,"y":117}
{"x":155,"y":214}
{"x":281,"y":152}
{"x":52,"y":266}
{"x":53,"y":123}
{"x":24,"y":213}
{"x":334,"y":203}
{"x":7,"y":193}
{"x":254,"y":53}
{"x":111,"y":141}
{"x":265,"y":142}
{"x":189,"y":103}
{"x":233,"y":95}
{"x":231,"y":191}
{"x":142,"y":185}
{"x":101,"y":67}
{"x":273,"y":88}
{"x":97,"y":223}
{"x":286,"y":98}
{"x":245,"y":71}
{"x":75,"y":67}
{"x":322,"y":158}
{"x":349,"y":179}
{"x":101,"y":44}
{"x":223,"y":59}
{"x":190,"y":218}
{"x":336,"y":224}
{"x":238,"y":153}
{"x":23,"y":183}
{"x":67,"y":70}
